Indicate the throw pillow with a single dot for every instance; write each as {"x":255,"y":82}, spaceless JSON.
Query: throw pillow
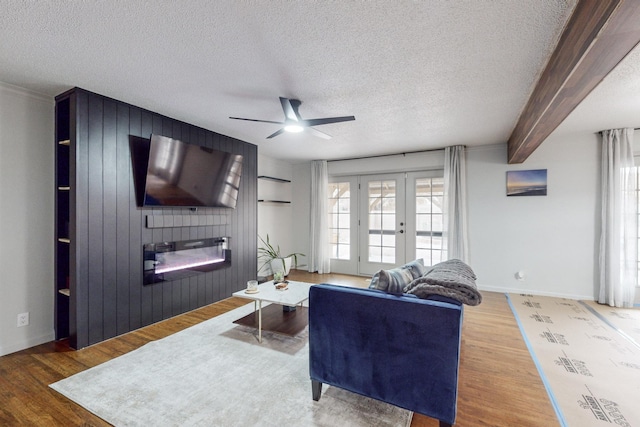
{"x":391,"y":281}
{"x":416,"y":268}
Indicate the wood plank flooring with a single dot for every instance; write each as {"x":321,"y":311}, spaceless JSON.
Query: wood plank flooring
{"x":275,"y":319}
{"x":498,"y":382}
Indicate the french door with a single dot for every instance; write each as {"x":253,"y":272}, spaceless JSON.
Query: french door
{"x":382,"y":221}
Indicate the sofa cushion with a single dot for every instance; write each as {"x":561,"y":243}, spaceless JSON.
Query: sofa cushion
{"x":392,"y":281}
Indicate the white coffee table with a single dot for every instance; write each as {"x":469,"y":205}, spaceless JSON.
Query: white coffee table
{"x":295,"y":294}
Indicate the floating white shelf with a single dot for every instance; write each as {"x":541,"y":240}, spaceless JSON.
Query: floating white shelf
{"x":272,"y":178}
{"x":284,"y":202}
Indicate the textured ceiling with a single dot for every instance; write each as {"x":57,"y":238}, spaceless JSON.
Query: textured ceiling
{"x":416,"y":75}
{"x":614,"y":103}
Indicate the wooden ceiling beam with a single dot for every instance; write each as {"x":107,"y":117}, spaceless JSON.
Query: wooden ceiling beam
{"x":599,"y":34}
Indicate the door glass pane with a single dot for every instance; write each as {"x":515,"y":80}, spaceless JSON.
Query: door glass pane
{"x":343,"y":220}
{"x":437,"y":204}
{"x":436,"y":224}
{"x":389,"y":205}
{"x":382,"y":220}
{"x":389,"y":240}
{"x":429,"y":219}
{"x":389,"y":255}
{"x":389,"y":222}
{"x":375,"y":254}
{"x":344,"y":236}
{"x":340,"y":219}
{"x":423,"y":222}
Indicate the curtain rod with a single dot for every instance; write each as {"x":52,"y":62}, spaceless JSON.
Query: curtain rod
{"x":386,"y":155}
{"x":600,"y":131}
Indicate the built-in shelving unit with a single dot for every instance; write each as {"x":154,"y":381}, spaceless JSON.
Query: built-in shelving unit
{"x":276,"y":180}
{"x":63,"y":141}
{"x":100,"y":230}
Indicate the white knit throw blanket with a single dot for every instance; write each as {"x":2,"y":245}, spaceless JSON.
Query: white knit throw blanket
{"x":452,"y":278}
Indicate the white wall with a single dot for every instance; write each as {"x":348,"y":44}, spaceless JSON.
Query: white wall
{"x":428,"y":160}
{"x":302,"y":209}
{"x":26,"y":217}
{"x":552,"y":238}
{"x":274,"y":219}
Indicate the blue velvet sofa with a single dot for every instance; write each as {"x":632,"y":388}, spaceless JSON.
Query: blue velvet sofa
{"x":398,"y":349}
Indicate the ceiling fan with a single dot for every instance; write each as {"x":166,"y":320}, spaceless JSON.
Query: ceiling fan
{"x":294,"y":123}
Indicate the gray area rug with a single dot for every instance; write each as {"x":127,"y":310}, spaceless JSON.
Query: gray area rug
{"x":217,"y":374}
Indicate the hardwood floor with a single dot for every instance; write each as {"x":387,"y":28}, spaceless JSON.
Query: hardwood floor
{"x":498,"y":381}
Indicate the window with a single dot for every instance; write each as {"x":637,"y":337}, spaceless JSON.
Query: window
{"x":339,"y":219}
{"x":382,"y":221}
{"x":429,"y":219}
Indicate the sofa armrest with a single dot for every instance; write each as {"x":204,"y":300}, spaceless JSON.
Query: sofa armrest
{"x":398,"y":349}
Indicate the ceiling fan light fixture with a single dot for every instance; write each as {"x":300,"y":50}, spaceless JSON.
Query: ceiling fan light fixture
{"x":295,"y":124}
{"x":293,"y":128}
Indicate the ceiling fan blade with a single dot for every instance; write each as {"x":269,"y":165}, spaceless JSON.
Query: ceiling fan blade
{"x":289,"y":111}
{"x":317,"y":133}
{"x":276,"y":133}
{"x":295,"y":104}
{"x":327,"y":120}
{"x":256,"y":120}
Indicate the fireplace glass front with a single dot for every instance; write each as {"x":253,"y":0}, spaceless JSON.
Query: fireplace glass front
{"x":167,"y":261}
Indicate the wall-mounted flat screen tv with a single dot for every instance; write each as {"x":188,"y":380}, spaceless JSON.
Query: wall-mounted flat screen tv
{"x":187,"y":175}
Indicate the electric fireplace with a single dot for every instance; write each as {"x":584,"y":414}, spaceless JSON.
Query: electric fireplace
{"x":167,"y":261}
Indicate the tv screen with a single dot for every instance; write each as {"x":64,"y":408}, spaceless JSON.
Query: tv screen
{"x":186,"y":175}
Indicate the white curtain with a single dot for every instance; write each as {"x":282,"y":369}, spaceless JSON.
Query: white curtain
{"x":455,"y":204}
{"x":319,"y":256}
{"x":618,"y":234}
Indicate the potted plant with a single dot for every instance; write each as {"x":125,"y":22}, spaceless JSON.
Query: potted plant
{"x":270,"y":255}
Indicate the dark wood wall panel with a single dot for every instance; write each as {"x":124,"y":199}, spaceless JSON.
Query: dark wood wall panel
{"x":109,"y":220}
{"x":123,"y":182}
{"x":148,"y":293}
{"x":109,"y":230}
{"x":94,"y":201}
{"x":137,"y":295}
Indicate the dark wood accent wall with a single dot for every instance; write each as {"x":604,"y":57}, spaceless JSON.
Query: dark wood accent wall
{"x":107,"y":228}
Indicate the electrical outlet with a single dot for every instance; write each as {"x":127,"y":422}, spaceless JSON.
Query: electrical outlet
{"x":23,"y":319}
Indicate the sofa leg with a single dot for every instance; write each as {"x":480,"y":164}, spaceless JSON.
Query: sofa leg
{"x":443,"y":424}
{"x":316,"y":389}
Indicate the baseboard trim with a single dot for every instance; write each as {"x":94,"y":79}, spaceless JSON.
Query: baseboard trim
{"x":507,"y":290}
{"x":26,"y":343}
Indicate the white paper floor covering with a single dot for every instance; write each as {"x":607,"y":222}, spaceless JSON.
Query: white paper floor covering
{"x":590,"y":369}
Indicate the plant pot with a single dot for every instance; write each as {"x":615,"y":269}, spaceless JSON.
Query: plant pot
{"x":281,"y":264}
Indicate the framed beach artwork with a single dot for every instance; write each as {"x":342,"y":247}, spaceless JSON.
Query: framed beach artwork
{"x":527,"y":183}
